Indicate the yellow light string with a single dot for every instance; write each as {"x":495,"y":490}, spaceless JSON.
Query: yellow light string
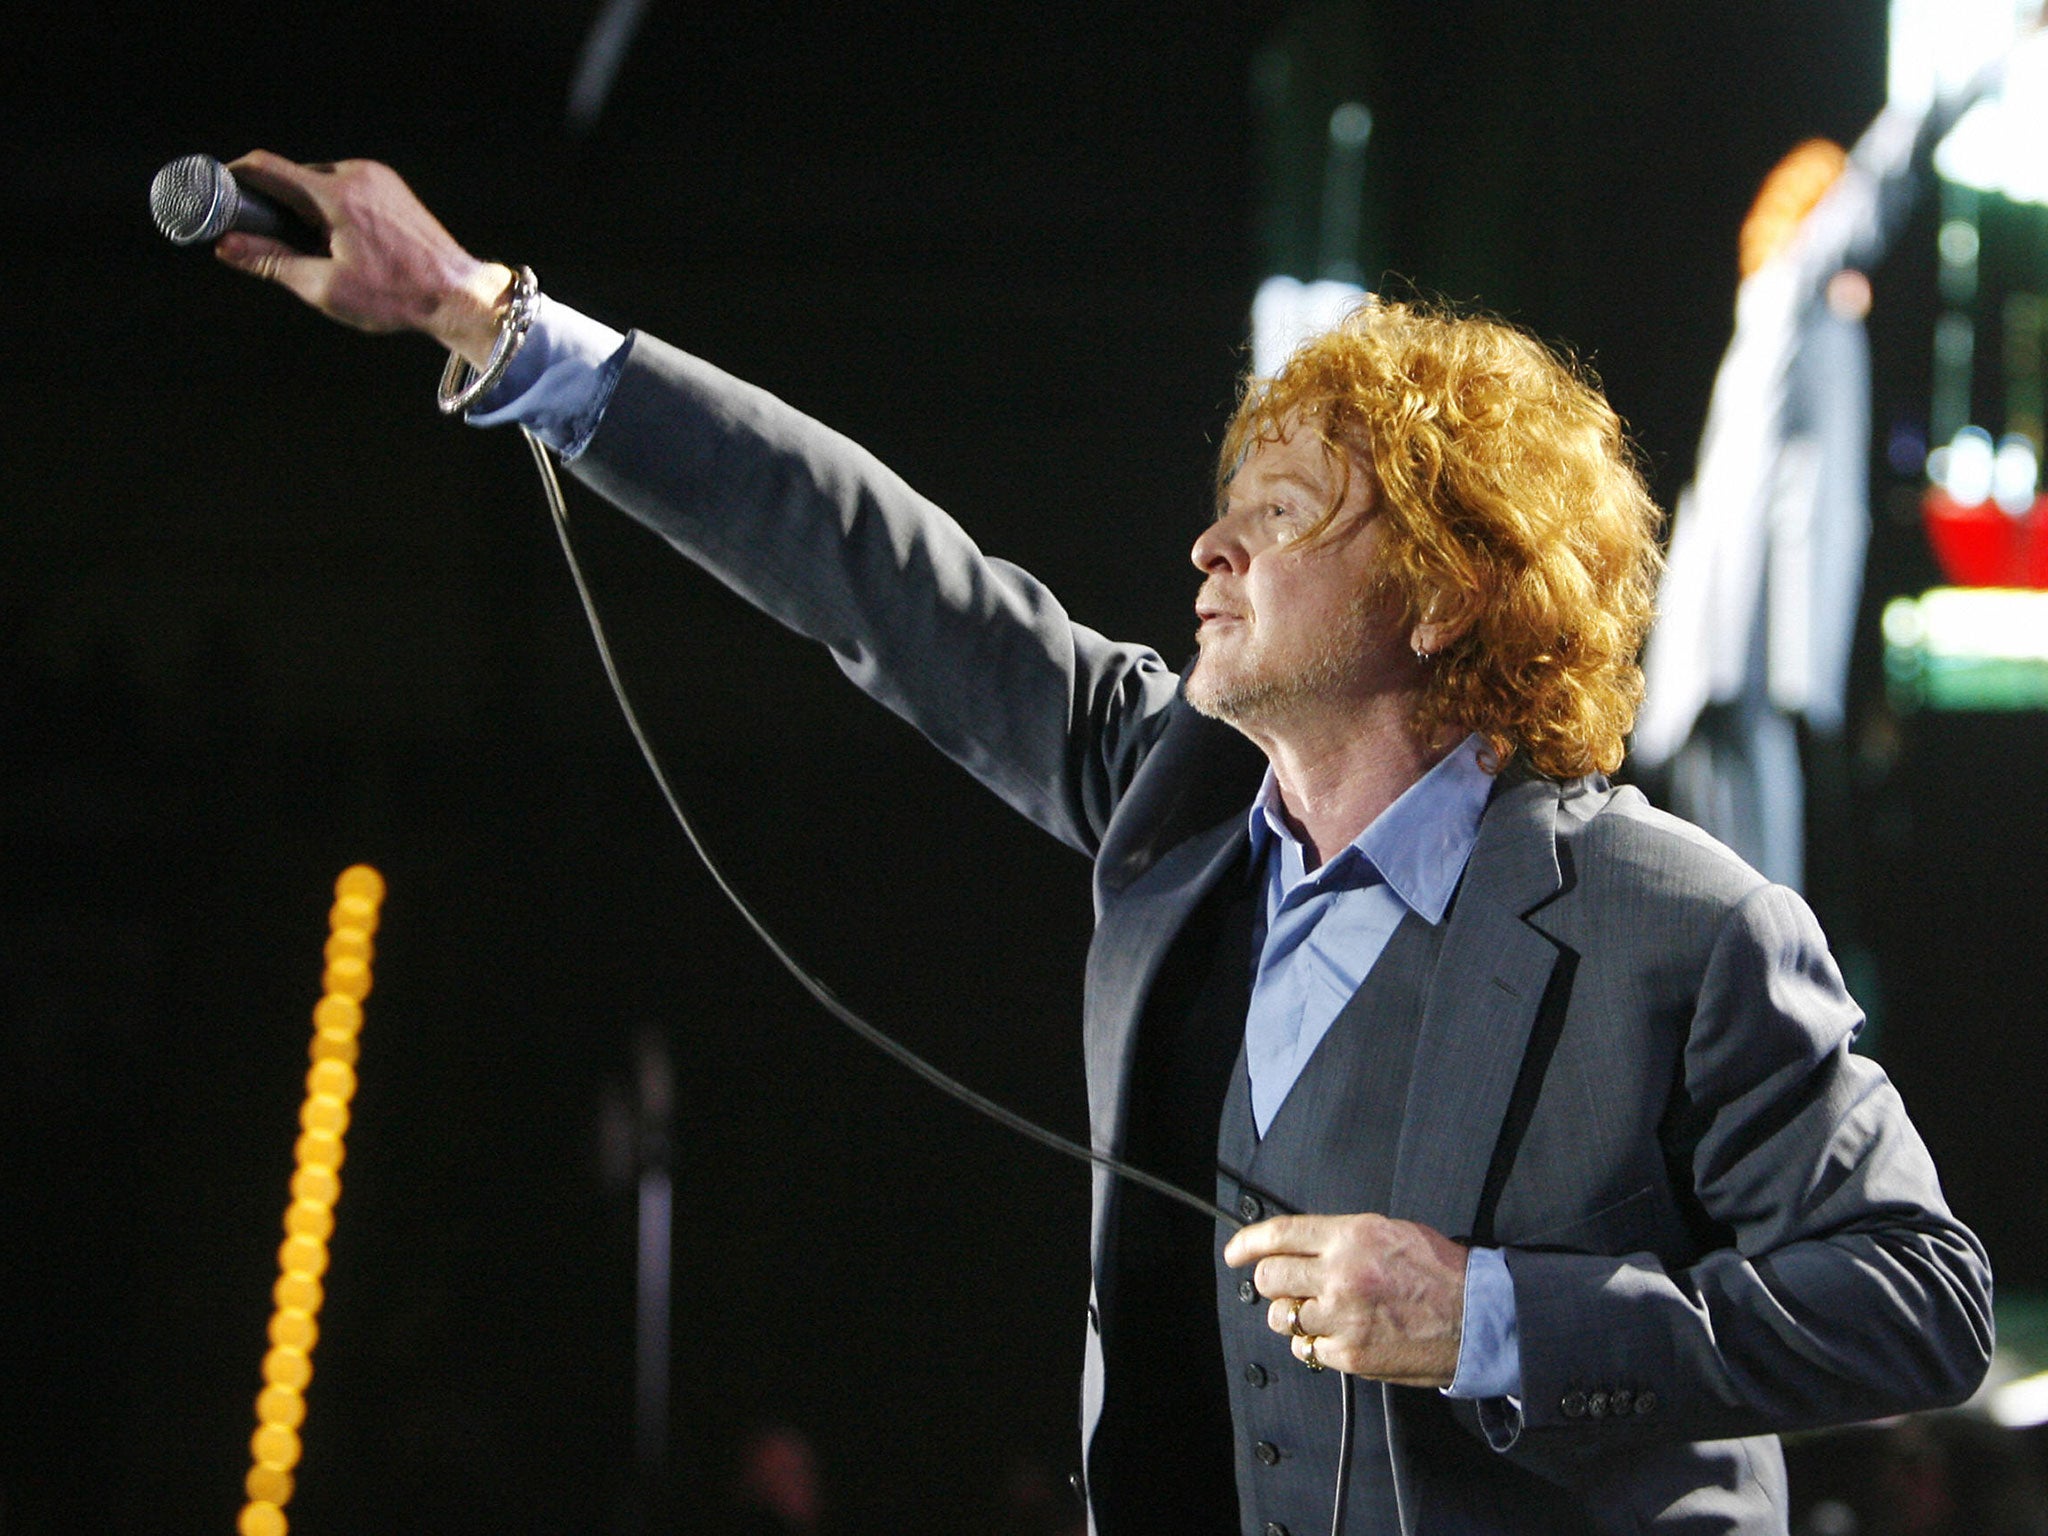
{"x":316,"y":1186}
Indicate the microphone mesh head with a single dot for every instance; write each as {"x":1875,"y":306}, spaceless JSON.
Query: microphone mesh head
{"x":193,"y":199}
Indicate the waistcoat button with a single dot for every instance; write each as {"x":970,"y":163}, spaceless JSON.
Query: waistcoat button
{"x":1248,"y":1207}
{"x":1573,"y":1405}
{"x":1646,"y":1402}
{"x":1255,"y":1374}
{"x":1596,"y":1405}
{"x":1246,"y":1291}
{"x":1622,"y":1401}
{"x":1267,"y":1452}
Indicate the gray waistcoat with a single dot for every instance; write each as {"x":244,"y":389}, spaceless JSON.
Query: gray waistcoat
{"x":1329,"y":1149}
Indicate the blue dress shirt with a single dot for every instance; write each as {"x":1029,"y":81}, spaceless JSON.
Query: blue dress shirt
{"x":1324,"y":929}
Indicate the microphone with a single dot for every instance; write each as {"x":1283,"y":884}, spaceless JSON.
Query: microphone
{"x":197,"y":200}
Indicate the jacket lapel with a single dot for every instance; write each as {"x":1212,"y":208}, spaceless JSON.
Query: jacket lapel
{"x":1179,"y":829}
{"x":1131,"y":942}
{"x":1489,"y":982}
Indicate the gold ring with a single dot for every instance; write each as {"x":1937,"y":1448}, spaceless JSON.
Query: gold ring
{"x":1294,"y":1316}
{"x":1309,"y":1358}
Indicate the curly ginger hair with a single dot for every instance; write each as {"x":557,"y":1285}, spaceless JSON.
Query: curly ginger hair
{"x":1514,"y":513}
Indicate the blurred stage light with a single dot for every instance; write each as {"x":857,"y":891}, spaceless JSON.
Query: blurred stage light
{"x":337,"y":1015}
{"x":1287,"y":311}
{"x":322,"y":1113}
{"x":302,"y":1257}
{"x":293,"y":1329}
{"x":1351,"y":124}
{"x":2001,"y":145}
{"x":281,"y":1405}
{"x":348,"y":943}
{"x":347,"y":977}
{"x":302,"y":1292}
{"x":364,"y":881}
{"x":1958,"y":242}
{"x":1968,"y":648}
{"x":332,"y":1079}
{"x":1964,"y":467}
{"x":2020,"y":1404}
{"x":275,"y":1446}
{"x":317,"y":1149}
{"x":268,"y":1485}
{"x":353,"y":909}
{"x":305,"y":1218}
{"x":2015,"y":474}
{"x":287,"y":1368}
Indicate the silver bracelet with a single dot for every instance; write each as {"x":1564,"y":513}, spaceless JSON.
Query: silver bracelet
{"x":514,"y":321}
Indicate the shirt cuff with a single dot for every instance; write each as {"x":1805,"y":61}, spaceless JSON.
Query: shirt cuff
{"x":1490,"y":1349}
{"x":1490,"y":1353}
{"x":560,"y":381}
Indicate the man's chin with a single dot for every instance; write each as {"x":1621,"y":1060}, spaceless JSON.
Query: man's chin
{"x":1223,"y":697}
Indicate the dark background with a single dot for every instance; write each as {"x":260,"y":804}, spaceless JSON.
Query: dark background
{"x":262,"y":614}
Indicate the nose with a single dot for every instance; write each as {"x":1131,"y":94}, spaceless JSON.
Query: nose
{"x":1219,"y":548}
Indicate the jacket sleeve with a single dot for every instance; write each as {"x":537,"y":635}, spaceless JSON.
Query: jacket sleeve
{"x":1845,"y":1289}
{"x":817,"y":533}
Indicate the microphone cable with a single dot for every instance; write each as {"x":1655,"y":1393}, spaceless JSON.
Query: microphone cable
{"x":888,"y":1045}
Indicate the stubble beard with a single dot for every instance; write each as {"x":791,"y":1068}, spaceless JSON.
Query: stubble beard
{"x":1261,"y":691}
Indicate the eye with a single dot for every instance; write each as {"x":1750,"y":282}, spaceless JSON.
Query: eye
{"x":1285,"y":520}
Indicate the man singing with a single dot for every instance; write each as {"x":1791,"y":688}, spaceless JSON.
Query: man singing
{"x":1561,"y":1188}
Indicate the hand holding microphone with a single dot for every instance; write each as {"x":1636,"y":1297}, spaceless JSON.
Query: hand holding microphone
{"x":389,"y":265}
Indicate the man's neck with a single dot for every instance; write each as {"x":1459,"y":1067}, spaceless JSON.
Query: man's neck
{"x":1334,"y":781}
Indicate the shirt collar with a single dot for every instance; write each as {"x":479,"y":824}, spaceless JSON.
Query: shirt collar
{"x":1418,"y":845}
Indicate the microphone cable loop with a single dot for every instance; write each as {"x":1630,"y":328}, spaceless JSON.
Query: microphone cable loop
{"x":820,"y":993}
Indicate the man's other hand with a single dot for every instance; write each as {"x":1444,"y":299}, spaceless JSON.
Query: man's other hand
{"x":1378,"y":1297}
{"x":390,"y":267}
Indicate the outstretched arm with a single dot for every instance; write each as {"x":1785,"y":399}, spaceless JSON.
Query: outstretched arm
{"x":801,"y":522}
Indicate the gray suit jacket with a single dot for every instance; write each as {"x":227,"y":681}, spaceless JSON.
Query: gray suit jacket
{"x":1633,"y":1070}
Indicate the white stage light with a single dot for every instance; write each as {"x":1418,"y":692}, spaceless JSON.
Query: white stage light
{"x":1965,"y":468}
{"x":1287,"y":311}
{"x":2020,"y":1404}
{"x":2015,"y":475}
{"x":1970,"y":648}
{"x":2001,"y":145}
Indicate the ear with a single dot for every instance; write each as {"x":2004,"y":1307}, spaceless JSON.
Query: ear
{"x":1444,"y":622}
